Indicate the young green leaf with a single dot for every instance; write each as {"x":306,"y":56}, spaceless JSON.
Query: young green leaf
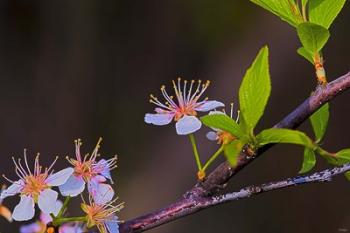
{"x":275,"y":135}
{"x":323,"y":12}
{"x":347,"y":175}
{"x":287,"y":10}
{"x":223,"y":122}
{"x":339,"y":158}
{"x":312,"y":36}
{"x":343,"y":156}
{"x":232,"y":151}
{"x":319,"y":121}
{"x":309,"y":160}
{"x":304,"y":53}
{"x":255,"y":90}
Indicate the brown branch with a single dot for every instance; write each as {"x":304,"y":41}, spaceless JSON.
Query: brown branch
{"x":217,"y":179}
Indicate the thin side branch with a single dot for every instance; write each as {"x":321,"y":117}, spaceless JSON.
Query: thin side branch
{"x":217,"y":179}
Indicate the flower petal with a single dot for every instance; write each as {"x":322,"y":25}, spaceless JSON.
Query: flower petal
{"x":73,"y":187}
{"x":159,"y":118}
{"x":13,"y":189}
{"x":101,"y":193}
{"x":102,"y":168}
{"x":187,"y":125}
{"x":212,"y":136}
{"x":112,"y":225}
{"x":24,"y":210}
{"x":60,"y":177}
{"x":47,"y":201}
{"x":206,"y":106}
{"x":30,"y":228}
{"x":70,"y":229}
{"x":46,"y":218}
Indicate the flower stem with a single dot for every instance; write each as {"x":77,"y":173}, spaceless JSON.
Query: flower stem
{"x":212,"y":158}
{"x":60,"y":221}
{"x":64,"y":207}
{"x":195,"y":152}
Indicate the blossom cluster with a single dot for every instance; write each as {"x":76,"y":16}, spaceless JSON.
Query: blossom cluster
{"x":41,"y":186}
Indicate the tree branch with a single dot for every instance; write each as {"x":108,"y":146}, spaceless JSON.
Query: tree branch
{"x":216,"y":180}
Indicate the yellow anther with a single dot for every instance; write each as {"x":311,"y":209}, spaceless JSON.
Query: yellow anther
{"x":162,"y":87}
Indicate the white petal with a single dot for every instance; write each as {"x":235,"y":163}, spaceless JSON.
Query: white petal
{"x":24,"y":210}
{"x":159,"y":118}
{"x":112,"y":225}
{"x":187,"y":125}
{"x":101,"y":193}
{"x":73,"y":187}
{"x":14,"y":189}
{"x":216,"y":112}
{"x":47,"y":201}
{"x":60,"y":177}
{"x":208,"y":105}
{"x":212,"y":136}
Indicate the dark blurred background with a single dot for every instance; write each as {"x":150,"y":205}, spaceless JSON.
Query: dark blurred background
{"x":85,"y":69}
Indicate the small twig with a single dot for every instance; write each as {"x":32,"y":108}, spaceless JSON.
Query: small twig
{"x":224,"y":172}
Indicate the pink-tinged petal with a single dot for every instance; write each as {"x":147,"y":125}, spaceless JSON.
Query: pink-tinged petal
{"x":24,"y":210}
{"x":70,"y":229}
{"x":30,"y":228}
{"x":112,"y":225}
{"x":159,"y":118}
{"x":102,"y":168}
{"x":73,"y":187}
{"x":46,"y":218}
{"x":212,"y":136}
{"x":59,"y":178}
{"x":187,"y":125}
{"x":47,"y":201}
{"x":101,"y":193}
{"x":13,"y":189}
{"x":206,"y":105}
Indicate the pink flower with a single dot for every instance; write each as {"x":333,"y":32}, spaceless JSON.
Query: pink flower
{"x":103,"y":216}
{"x":183,"y":112}
{"x":89,"y":170}
{"x":35,"y":187}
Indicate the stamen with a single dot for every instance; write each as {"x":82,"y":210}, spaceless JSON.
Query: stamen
{"x":26,"y":162}
{"x":53,"y":163}
{"x":231,"y":111}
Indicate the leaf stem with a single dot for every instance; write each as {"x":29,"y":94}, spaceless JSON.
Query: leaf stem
{"x":212,"y":158}
{"x":195,"y":152}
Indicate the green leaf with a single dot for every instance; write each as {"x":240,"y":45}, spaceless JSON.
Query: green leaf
{"x":323,"y":12}
{"x":232,"y":151}
{"x":255,"y":90}
{"x":347,"y":175}
{"x":287,"y":10}
{"x":309,"y":160}
{"x":275,"y":135}
{"x":339,"y":158}
{"x":224,"y":123}
{"x":304,"y":53}
{"x":343,"y":156}
{"x":312,"y":36}
{"x":319,"y":121}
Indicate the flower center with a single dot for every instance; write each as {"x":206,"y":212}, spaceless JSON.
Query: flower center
{"x":185,"y":110}
{"x":34,"y":185}
{"x":84,"y":169}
